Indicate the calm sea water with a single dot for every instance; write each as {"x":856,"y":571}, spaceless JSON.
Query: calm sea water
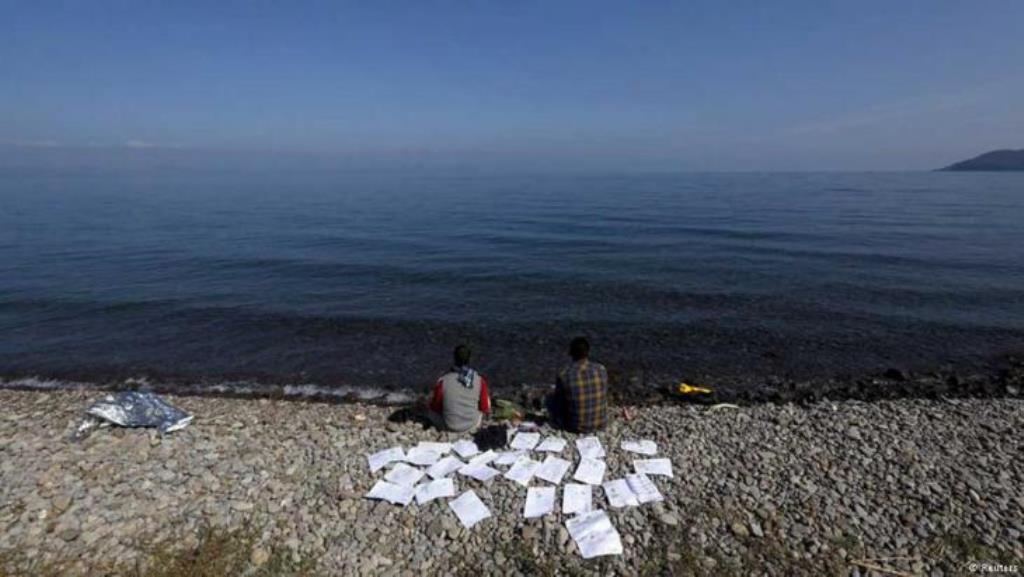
{"x":370,"y":279}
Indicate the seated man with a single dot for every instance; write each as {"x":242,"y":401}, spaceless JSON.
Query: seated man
{"x":580,"y":402}
{"x":460,"y":397}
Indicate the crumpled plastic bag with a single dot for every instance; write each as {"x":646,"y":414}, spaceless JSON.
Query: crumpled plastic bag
{"x":135,"y":409}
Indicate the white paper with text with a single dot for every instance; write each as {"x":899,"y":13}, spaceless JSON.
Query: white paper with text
{"x":594,"y":534}
{"x":381,"y":458}
{"x":539,"y":502}
{"x":469,"y":509}
{"x":427,"y":492}
{"x":653,"y":466}
{"x":590,"y":448}
{"x":553,"y":469}
{"x":590,"y":471}
{"x":577,"y":498}
{"x":392,"y":493}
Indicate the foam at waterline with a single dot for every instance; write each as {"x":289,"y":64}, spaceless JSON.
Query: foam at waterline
{"x":43,"y":384}
{"x":304,"y":391}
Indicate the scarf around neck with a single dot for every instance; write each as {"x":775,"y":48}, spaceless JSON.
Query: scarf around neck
{"x":466,"y":375}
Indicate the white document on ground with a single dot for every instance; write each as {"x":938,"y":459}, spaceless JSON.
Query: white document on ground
{"x":522,"y":471}
{"x":590,"y":471}
{"x":381,"y":458}
{"x":642,"y":447}
{"x":653,"y":466}
{"x":427,"y":492}
{"x":392,"y":493}
{"x":445,"y":467}
{"x":402,"y":474}
{"x":539,"y":502}
{"x":443,"y":448}
{"x":590,"y":448}
{"x":421,"y":456}
{"x":619,"y":494}
{"x":484,"y":458}
{"x":643,"y":488}
{"x":553,"y":469}
{"x":469,"y":509}
{"x":577,"y":498}
{"x":481,"y":473}
{"x":509,"y":457}
{"x":525,"y":441}
{"x":594,"y":534}
{"x":465,"y":449}
{"x":552,"y":445}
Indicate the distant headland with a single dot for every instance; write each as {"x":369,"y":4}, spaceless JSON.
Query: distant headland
{"x":995,"y":160}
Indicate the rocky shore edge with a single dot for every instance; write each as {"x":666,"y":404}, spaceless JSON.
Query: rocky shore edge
{"x":998,"y":377}
{"x":919,"y":486}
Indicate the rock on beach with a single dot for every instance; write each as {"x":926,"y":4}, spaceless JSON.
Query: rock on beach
{"x":767,"y":489}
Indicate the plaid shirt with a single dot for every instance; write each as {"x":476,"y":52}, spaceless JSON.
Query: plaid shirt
{"x":582,"y":391}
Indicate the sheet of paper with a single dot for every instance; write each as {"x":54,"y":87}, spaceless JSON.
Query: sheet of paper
{"x":553,"y":469}
{"x":590,"y":471}
{"x":644,"y":488}
{"x":484,"y":458}
{"x":653,"y":466}
{"x":445,"y":467}
{"x":525,"y":441}
{"x":509,"y":457}
{"x":443,"y":448}
{"x":465,"y":448}
{"x":577,"y":498}
{"x":421,"y":456}
{"x":642,"y":447}
{"x":594,"y":534}
{"x":402,"y":474}
{"x":381,"y":458}
{"x":479,"y":472}
{"x":392,"y":493}
{"x":522,"y":471}
{"x":469,"y":509}
{"x":427,"y":492}
{"x":590,"y":448}
{"x":539,"y":502}
{"x":552,"y":445}
{"x":619,"y":494}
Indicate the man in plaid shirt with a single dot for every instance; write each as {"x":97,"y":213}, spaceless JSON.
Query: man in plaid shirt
{"x":580,"y":402}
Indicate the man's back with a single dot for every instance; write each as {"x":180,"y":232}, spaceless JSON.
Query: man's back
{"x":461,"y":397}
{"x":582,"y":388}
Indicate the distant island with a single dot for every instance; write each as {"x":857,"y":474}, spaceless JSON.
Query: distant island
{"x":995,"y":160}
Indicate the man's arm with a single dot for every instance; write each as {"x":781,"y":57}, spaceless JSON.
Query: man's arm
{"x":437,"y":399}
{"x":485,"y":397}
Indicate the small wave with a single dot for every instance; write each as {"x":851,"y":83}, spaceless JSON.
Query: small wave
{"x":304,"y":391}
{"x":44,"y":384}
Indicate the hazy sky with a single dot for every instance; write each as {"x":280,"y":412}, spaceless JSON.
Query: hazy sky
{"x":717,"y":85}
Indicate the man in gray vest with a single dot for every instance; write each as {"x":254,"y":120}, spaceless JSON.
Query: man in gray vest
{"x":460,"y":397}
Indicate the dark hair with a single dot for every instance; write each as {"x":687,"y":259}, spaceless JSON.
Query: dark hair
{"x":461,"y":355}
{"x":579,"y":348}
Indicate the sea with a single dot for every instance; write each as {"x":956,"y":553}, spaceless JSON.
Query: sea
{"x":321,"y":280}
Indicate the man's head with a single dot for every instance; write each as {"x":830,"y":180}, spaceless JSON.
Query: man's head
{"x":461,"y":356}
{"x":579,"y":348}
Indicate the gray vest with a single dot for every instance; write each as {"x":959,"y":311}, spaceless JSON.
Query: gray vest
{"x":461,"y":403}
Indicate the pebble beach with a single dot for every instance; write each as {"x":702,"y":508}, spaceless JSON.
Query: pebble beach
{"x":918,"y":487}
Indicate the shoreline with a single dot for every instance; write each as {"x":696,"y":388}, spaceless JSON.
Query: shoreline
{"x":781,"y":488}
{"x":999,"y":377}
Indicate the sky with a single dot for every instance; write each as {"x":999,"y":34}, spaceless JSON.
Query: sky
{"x":735,"y":85}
